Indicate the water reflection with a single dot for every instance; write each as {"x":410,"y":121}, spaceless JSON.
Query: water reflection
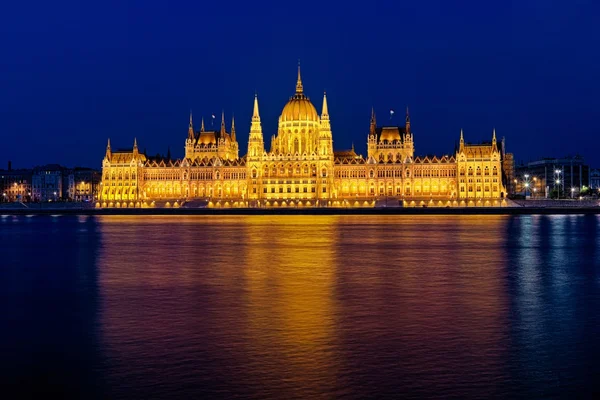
{"x":303,"y":307}
{"x":306,"y":306}
{"x":553,"y":260}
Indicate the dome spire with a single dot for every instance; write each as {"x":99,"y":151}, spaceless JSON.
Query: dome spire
{"x":299,"y":88}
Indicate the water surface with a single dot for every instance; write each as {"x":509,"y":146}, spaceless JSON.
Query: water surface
{"x":300,"y":306}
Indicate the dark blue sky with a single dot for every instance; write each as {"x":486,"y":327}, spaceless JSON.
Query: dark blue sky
{"x":75,"y":73}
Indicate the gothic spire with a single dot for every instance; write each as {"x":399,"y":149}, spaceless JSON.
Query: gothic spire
{"x":233,"y":138}
{"x":108,"y":151}
{"x":202,"y":125}
{"x":222,"y":123}
{"x":407,"y":121}
{"x":325,"y":112}
{"x":255,"y":114}
{"x":191,"y":128}
{"x":373,"y":127}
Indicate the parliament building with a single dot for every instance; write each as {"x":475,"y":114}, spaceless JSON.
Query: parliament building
{"x":300,"y":168}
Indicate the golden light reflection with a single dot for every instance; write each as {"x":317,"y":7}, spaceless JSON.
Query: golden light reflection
{"x":290,"y":273}
{"x":300,"y":304}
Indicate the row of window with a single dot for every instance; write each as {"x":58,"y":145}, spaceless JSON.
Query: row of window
{"x":478,"y":171}
{"x":350,"y":174}
{"x":289,"y":189}
{"x":305,"y":181}
{"x":478,"y":188}
{"x":435,"y":173}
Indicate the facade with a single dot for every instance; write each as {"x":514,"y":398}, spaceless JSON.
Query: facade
{"x":15,"y":185}
{"x":301,"y":168}
{"x":86,"y":184}
{"x":560,"y":177}
{"x":47,"y":183}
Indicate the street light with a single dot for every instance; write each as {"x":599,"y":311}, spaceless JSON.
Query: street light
{"x":572,"y":192}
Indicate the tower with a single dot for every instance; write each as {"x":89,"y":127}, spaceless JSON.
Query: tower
{"x":408,"y":144}
{"x":190,"y":141}
{"x":256,"y":148}
{"x":372,"y":138}
{"x":325,"y":136}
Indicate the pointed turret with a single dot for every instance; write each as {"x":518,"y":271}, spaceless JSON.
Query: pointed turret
{"x":191,"y":128}
{"x":256,"y":145}
{"x":407,"y":126}
{"x":223,"y":124}
{"x":233,"y":138}
{"x":462,"y":141}
{"x":325,"y":112}
{"x":135,"y":147}
{"x":373,"y":127}
{"x":299,"y":88}
{"x":108,"y":151}
{"x":255,"y":115}
{"x":494,"y":138}
{"x":325,"y":124}
{"x":202,"y":125}
{"x":325,"y":141}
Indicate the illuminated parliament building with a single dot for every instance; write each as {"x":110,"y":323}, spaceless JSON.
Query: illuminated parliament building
{"x":300,"y":168}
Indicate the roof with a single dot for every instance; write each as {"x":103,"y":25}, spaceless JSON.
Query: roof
{"x":391,"y":133}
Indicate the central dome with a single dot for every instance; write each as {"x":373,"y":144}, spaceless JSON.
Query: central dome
{"x":299,"y":108}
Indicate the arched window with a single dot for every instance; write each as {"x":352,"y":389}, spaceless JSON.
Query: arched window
{"x":296,"y":146}
{"x":486,"y":171}
{"x":478,"y":171}
{"x":495,"y":171}
{"x":324,"y":173}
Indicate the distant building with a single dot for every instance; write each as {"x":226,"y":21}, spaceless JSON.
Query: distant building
{"x":508,"y":169}
{"x":567,"y":176}
{"x":595,"y":178}
{"x":86,"y":184}
{"x":48,"y":183}
{"x":15,"y":185}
